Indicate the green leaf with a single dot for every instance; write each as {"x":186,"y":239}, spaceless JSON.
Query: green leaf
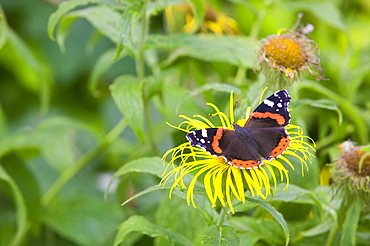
{"x":102,"y":65}
{"x":319,"y":229}
{"x":156,"y":6}
{"x":325,"y":104}
{"x":146,"y":191}
{"x":63,"y":31}
{"x":249,"y":239}
{"x":54,"y":137}
{"x":181,"y":214}
{"x":141,"y":224}
{"x":63,"y":9}
{"x":256,"y":229}
{"x":238,"y":51}
{"x":83,"y":219}
{"x":207,"y":87}
{"x":3,"y":28}
{"x":202,"y":202}
{"x":20,"y":203}
{"x":243,"y":207}
{"x":357,"y":77}
{"x":350,"y":110}
{"x":220,"y":235}
{"x":127,"y":92}
{"x":35,"y":75}
{"x":349,"y":227}
{"x":153,"y":165}
{"x":297,"y":195}
{"x":276,"y":214}
{"x":325,"y":11}
{"x":128,"y":30}
{"x":291,"y":194}
{"x":104,"y":19}
{"x":67,"y":6}
{"x":216,"y":87}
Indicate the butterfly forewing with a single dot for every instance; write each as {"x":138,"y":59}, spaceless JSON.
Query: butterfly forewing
{"x":272,"y":112}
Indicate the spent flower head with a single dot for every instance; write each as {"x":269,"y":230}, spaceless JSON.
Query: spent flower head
{"x":351,"y":172}
{"x":283,"y":56}
{"x":221,"y":181}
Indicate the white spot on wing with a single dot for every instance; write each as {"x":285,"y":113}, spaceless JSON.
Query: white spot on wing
{"x":202,"y":141}
{"x":269,"y":103}
{"x":279,"y":105}
{"x":204,"y":133}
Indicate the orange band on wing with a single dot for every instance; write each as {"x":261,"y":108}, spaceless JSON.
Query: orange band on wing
{"x":250,"y":164}
{"x":281,"y":147}
{"x":280,"y":119}
{"x":216,"y":143}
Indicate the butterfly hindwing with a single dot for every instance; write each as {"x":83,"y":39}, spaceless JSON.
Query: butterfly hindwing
{"x":271,"y":142}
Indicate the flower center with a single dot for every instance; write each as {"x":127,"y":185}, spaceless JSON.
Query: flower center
{"x":285,"y":51}
{"x":352,"y":159}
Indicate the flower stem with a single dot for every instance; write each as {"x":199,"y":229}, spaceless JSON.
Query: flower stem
{"x":332,"y":235}
{"x":240,"y":75}
{"x":221,"y":217}
{"x":66,"y":176}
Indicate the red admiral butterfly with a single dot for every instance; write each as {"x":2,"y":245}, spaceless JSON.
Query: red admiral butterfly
{"x":261,"y":138}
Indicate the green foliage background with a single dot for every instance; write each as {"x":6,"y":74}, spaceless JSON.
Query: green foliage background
{"x":86,"y":87}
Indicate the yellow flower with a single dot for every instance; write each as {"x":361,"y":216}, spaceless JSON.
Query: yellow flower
{"x":213,"y":21}
{"x":289,"y":52}
{"x":223,"y":182}
{"x":351,"y":172}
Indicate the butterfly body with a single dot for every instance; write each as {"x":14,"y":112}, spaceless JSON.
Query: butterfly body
{"x":263,"y":137}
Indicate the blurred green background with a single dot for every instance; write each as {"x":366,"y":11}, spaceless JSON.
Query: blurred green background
{"x":63,"y":136}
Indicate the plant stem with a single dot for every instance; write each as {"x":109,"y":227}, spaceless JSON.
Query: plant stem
{"x":148,"y":119}
{"x":139,"y":61}
{"x":221,"y":217}
{"x":66,"y":176}
{"x":332,"y":235}
{"x":240,"y":75}
{"x":140,"y":70}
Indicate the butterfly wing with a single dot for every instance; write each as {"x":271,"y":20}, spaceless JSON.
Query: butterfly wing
{"x":208,"y":139}
{"x":262,"y":137}
{"x":272,"y":112}
{"x":271,"y":142}
{"x":237,"y":149}
{"x":266,"y":125}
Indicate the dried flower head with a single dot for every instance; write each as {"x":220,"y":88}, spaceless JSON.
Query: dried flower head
{"x":351,"y":172}
{"x":288,"y":53}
